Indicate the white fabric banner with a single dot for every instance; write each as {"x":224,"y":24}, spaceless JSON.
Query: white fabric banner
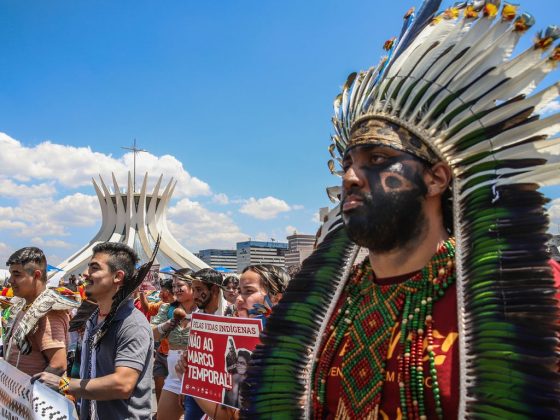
{"x":22,"y":400}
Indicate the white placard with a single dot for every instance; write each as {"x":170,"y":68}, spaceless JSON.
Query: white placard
{"x":22,"y":400}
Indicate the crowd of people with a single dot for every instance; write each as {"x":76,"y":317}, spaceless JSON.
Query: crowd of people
{"x":106,"y":351}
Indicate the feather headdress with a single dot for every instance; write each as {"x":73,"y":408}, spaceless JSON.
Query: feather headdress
{"x":451,"y":83}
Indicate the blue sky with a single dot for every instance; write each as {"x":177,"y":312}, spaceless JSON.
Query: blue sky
{"x":233,"y":98}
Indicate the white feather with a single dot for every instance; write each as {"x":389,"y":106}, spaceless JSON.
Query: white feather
{"x":546,"y":126}
{"x":492,"y":49}
{"x":413,"y":55}
{"x":508,"y":70}
{"x":439,"y":74}
{"x":524,"y":83}
{"x":419,"y":45}
{"x":357,"y":91}
{"x":548,"y":149}
{"x":434,"y":59}
{"x":503,"y":113}
{"x":544,"y":176}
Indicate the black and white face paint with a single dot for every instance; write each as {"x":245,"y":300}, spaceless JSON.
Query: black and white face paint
{"x":202,"y":294}
{"x":391,"y":214}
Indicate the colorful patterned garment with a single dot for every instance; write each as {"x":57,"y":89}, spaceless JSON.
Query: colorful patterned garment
{"x":178,"y":337}
{"x":59,"y":299}
{"x":359,"y":371}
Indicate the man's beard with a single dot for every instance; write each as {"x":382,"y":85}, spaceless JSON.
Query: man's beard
{"x":390,"y":221}
{"x":202,"y":303}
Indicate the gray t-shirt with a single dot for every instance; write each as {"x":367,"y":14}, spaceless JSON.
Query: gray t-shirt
{"x":128,"y":342}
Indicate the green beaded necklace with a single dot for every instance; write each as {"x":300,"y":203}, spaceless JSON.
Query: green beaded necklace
{"x":367,"y":314}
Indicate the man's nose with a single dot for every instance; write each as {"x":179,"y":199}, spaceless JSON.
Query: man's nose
{"x":352,"y":178}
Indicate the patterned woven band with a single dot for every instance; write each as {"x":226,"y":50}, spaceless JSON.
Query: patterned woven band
{"x":379,"y":132}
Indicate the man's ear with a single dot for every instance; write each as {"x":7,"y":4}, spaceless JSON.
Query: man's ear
{"x":37,"y":275}
{"x":119,"y":277}
{"x":438,"y":178}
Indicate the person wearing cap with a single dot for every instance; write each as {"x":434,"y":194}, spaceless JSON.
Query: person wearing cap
{"x":209,"y":297}
{"x":261,"y":288}
{"x":208,"y":293}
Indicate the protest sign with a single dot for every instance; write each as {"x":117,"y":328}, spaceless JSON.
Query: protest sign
{"x":219,"y":350}
{"x":22,"y":400}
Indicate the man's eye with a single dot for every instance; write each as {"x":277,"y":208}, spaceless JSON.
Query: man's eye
{"x":377,"y":159}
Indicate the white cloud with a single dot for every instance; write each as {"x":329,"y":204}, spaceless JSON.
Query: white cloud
{"x":290,"y":230}
{"x":40,"y":217}
{"x":7,"y":213}
{"x":5,"y":252}
{"x":43,"y":208}
{"x":264,"y":208}
{"x":54,"y":259}
{"x":550,"y":108}
{"x":220,"y":198}
{"x":10,"y":189}
{"x":75,"y":166}
{"x":198,"y":228}
{"x":52,"y":243}
{"x":77,"y":210}
{"x":261,"y":236}
{"x":316,"y":218}
{"x":187,"y":185}
{"x":10,"y":224}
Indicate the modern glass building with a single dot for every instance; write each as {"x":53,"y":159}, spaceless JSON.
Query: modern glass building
{"x":258,"y":252}
{"x":215,"y":258}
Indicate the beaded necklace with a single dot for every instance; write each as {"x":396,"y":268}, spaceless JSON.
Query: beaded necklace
{"x":367,"y":315}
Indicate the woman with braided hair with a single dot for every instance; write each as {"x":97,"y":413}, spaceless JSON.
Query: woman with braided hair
{"x":172,"y":325}
{"x":261,"y":287}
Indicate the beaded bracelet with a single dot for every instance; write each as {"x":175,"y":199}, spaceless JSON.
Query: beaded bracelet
{"x":64,"y":384}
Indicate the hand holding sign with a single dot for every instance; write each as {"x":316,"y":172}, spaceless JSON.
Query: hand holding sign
{"x":217,"y":357}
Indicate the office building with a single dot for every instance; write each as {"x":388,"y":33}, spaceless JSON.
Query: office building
{"x":219,"y":258}
{"x":300,"y":247}
{"x":258,"y":252}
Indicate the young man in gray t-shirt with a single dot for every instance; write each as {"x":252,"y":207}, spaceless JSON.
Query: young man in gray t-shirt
{"x":116,"y":374}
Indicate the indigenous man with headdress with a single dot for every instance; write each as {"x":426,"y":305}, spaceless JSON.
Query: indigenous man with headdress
{"x":392,"y":204}
{"x":453,"y":312}
{"x":116,"y":365}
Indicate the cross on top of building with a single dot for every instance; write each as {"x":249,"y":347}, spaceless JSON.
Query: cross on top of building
{"x":134,"y":150}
